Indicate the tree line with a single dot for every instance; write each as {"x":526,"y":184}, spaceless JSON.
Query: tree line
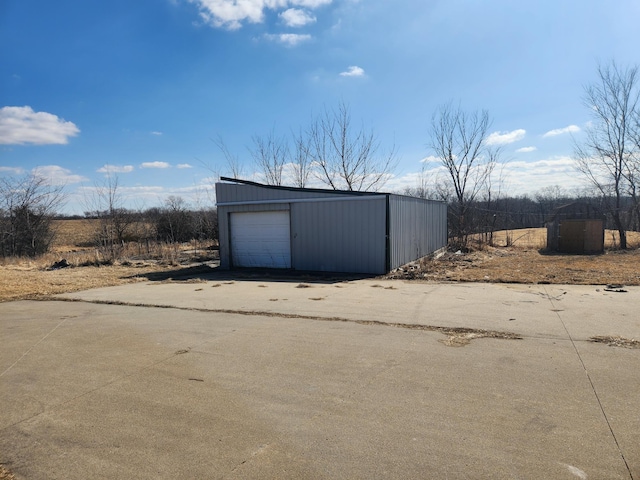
{"x":29,"y":206}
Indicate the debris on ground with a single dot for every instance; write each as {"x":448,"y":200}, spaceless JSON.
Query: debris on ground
{"x":61,"y":264}
{"x":615,"y":288}
{"x":526,"y":265}
{"x":615,"y":341}
{"x":6,"y":474}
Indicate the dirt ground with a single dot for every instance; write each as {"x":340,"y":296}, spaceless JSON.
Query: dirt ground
{"x":523,"y":265}
{"x":525,"y":261}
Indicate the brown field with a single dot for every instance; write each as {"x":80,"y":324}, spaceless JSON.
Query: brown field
{"x":523,"y":261}
{"x":81,"y":233}
{"x":74,"y":233}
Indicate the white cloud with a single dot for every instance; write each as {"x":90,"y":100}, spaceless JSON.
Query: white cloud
{"x":353,"y":71}
{"x":504,"y":138}
{"x":231,"y":14}
{"x":526,"y":149}
{"x":520,"y":177}
{"x":21,"y":125}
{"x":115,"y":169}
{"x":183,"y":165}
{"x":154,"y":165}
{"x":12,"y":170}
{"x":157,"y":134}
{"x":431,"y":159}
{"x":58,"y":175}
{"x":288,"y":39}
{"x":528,"y":177}
{"x":295,"y":17}
{"x":562,"y":131}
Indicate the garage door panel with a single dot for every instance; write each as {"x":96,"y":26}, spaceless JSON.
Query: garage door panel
{"x":261,"y":239}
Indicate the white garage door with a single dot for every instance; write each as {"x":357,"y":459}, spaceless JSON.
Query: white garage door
{"x":260,"y":239}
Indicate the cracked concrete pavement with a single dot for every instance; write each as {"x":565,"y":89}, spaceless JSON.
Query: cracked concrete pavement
{"x":223,"y":377}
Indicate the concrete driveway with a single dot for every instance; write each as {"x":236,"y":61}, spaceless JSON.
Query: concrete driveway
{"x":223,"y":377}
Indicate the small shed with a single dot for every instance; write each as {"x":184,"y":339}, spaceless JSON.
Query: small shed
{"x":576,"y":228}
{"x":323,"y":230}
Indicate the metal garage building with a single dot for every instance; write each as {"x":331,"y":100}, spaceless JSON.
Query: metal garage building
{"x":324,"y":230}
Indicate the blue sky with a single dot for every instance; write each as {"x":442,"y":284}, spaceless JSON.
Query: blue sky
{"x":141,"y":88}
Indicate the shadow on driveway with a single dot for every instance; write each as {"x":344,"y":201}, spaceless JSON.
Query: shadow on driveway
{"x":215,"y":273}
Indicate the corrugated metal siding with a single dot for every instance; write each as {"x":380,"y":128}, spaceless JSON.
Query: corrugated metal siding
{"x":416,"y":228}
{"x":340,"y":236}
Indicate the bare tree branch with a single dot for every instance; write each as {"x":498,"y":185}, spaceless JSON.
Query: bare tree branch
{"x":459,"y":140}
{"x":234,"y":165}
{"x":301,"y":160}
{"x":27,"y":208}
{"x":609,"y":156}
{"x":271,"y":154}
{"x":345,"y":158}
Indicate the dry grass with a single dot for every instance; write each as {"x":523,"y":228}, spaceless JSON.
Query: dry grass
{"x":6,"y":474}
{"x":25,"y":281}
{"x":537,"y":238}
{"x":525,"y":263}
{"x":91,"y":267}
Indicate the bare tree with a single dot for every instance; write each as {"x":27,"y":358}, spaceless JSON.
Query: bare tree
{"x":609,"y":156}
{"x":459,"y":140}
{"x":175,"y":223}
{"x":347,"y":158}
{"x":271,"y":154}
{"x":424,"y":186}
{"x":234,"y":165}
{"x":300,"y":160}
{"x":115,"y":221}
{"x":27,"y":208}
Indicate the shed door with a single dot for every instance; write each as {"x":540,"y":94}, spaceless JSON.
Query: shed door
{"x":260,"y":239}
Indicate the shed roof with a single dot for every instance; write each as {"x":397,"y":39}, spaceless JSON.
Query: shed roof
{"x":298,"y":189}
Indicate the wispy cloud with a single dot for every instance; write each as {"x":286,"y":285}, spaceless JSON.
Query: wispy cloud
{"x":157,"y":134}
{"x":115,"y":169}
{"x":288,"y":39}
{"x":12,"y":170}
{"x":526,"y":149}
{"x":58,"y":175}
{"x":154,"y":165}
{"x":504,"y":138}
{"x":562,"y":131}
{"x":519,"y":176}
{"x":528,"y":177}
{"x":183,"y":165}
{"x":231,"y":14}
{"x":430,"y":159}
{"x":353,"y":71}
{"x":21,"y":125}
{"x":296,"y":17}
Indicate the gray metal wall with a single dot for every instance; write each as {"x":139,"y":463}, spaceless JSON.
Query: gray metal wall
{"x":237,"y":193}
{"x":341,"y":232}
{"x":416,"y":228}
{"x":339,"y":236}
